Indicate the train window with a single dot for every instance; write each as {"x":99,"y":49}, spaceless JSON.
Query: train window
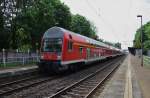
{"x":70,"y":45}
{"x":52,"y":45}
{"x":70,"y":36}
{"x":81,"y":50}
{"x":88,"y":53}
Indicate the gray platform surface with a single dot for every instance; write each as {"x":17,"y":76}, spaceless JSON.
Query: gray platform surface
{"x":17,"y":71}
{"x":117,"y":86}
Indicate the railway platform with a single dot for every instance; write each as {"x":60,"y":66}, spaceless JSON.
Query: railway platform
{"x":8,"y":72}
{"x":129,"y":81}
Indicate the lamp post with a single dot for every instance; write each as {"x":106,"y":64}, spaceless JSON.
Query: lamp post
{"x":140,"y":16}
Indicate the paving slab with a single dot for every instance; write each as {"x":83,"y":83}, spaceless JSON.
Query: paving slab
{"x":124,"y":83}
{"x":142,"y":75}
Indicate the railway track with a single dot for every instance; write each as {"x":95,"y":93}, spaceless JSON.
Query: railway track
{"x":10,"y":87}
{"x":32,"y":88}
{"x":18,"y":76}
{"x":86,"y":86}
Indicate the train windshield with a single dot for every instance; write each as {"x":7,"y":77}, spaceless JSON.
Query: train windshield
{"x":52,"y":45}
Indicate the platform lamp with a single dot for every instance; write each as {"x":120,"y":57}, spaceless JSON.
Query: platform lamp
{"x":140,"y":16}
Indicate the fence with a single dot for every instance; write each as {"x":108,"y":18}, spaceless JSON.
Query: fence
{"x":15,"y":57}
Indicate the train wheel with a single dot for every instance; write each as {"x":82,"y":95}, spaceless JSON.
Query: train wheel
{"x":73,"y":68}
{"x":41,"y":69}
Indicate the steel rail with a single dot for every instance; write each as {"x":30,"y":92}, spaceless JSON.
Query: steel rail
{"x":30,"y":84}
{"x":18,"y":81}
{"x":102,"y":81}
{"x":63,"y":91}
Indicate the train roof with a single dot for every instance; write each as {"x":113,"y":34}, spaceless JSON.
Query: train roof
{"x":60,"y":32}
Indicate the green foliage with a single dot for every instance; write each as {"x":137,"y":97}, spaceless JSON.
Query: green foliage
{"x":147,"y":45}
{"x":3,"y":34}
{"x":1,"y":27}
{"x":1,"y":20}
{"x":118,"y":45}
{"x":29,"y":19}
{"x":17,"y":64}
{"x":42,"y":15}
{"x":101,"y":40}
{"x":137,"y":42}
{"x":82,"y":26}
{"x":25,"y":48}
{"x":146,"y":37}
{"x":22,"y":39}
{"x":62,"y":15}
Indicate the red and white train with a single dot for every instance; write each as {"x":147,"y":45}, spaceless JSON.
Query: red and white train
{"x":62,"y":49}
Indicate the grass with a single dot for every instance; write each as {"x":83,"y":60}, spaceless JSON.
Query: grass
{"x":147,"y":61}
{"x":12,"y":65}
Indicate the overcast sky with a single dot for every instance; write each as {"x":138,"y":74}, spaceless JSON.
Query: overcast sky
{"x":115,"y":20}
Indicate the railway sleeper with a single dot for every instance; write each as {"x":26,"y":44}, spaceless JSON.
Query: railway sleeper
{"x":72,"y":94}
{"x":80,"y":91}
{"x":65,"y":96}
{"x":7,"y":89}
{"x":90,"y":83}
{"x":81,"y":88}
{"x":3,"y":90}
{"x":86,"y":86}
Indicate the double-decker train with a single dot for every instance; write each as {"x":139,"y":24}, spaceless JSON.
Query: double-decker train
{"x":62,"y":49}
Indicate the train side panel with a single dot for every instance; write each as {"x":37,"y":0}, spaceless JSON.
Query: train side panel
{"x":73,"y":51}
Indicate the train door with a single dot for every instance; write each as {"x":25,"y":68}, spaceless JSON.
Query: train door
{"x":88,"y":53}
{"x":81,"y":52}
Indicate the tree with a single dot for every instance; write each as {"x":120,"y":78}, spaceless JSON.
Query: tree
{"x":147,"y":45}
{"x":118,"y":45}
{"x":9,"y":12}
{"x":1,"y":20}
{"x":82,"y":26}
{"x":1,"y":27}
{"x":93,"y":31}
{"x":37,"y":18}
{"x":3,"y":34}
{"x":23,"y":39}
{"x":100,"y":39}
{"x":25,"y":21}
{"x":146,"y":37}
{"x":62,"y":15}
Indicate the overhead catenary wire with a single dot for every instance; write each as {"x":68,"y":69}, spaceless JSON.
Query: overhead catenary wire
{"x":108,"y":25}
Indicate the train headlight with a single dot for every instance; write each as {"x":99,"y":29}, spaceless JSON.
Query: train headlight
{"x":42,"y":57}
{"x":59,"y":57}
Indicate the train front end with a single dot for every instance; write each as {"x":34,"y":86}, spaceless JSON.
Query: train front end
{"x":51,"y":51}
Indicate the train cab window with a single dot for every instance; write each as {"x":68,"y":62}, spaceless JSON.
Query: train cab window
{"x":70,"y":45}
{"x":52,"y":45}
